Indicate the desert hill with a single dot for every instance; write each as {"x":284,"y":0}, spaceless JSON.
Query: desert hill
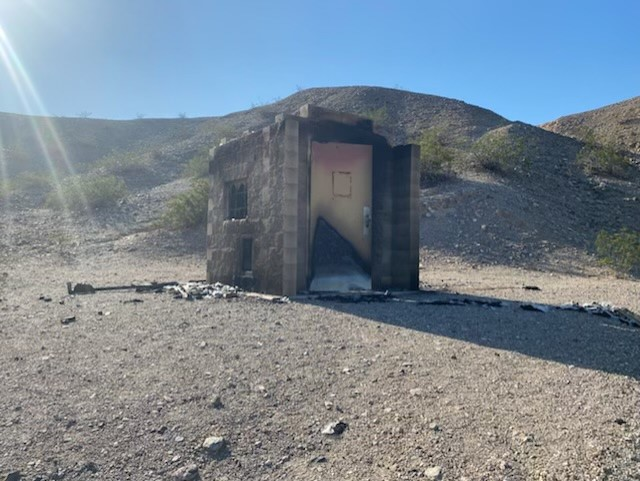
{"x":617,"y":124}
{"x":27,"y":141}
{"x":541,"y":209}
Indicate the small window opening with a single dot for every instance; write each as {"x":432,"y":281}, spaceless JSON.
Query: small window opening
{"x":237,"y":200}
{"x":246,"y":255}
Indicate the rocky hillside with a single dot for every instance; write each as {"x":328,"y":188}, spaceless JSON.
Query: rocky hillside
{"x":617,"y":124}
{"x":545,"y":208}
{"x":34,"y":143}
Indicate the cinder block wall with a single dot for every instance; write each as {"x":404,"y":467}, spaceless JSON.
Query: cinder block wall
{"x":275,"y":165}
{"x":405,"y":218}
{"x":257,"y":158}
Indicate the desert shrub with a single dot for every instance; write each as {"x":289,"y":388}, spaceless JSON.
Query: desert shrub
{"x":187,"y":209}
{"x":603,"y":159}
{"x":436,"y":159}
{"x":499,"y":153}
{"x":619,"y":250}
{"x":379,"y":116}
{"x":39,"y":181}
{"x":82,"y":192}
{"x":27,"y":182}
{"x":198,"y":166}
{"x":124,"y":163}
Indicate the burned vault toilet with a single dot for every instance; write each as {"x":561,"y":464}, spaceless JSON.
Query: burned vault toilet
{"x":314,"y":202}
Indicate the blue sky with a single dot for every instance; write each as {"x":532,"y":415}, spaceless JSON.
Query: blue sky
{"x":526,"y":60}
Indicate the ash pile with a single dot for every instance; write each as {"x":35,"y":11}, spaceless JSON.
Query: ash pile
{"x":202,"y":290}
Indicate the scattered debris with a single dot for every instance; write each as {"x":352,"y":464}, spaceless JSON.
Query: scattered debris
{"x":462,"y":302}
{"x":269,"y":297}
{"x":216,"y":402}
{"x":213,"y":444}
{"x":44,"y":299}
{"x":353,"y":296}
{"x":133,"y":301}
{"x":202,"y":290}
{"x":335,"y":429}
{"x":605,"y":310}
{"x":318,"y":459}
{"x":186,"y":473}
{"x":535,"y":307}
{"x":68,"y":320}
{"x":82,"y":288}
{"x":620,"y":421}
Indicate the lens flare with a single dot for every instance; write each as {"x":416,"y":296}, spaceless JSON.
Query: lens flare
{"x":42,"y":127}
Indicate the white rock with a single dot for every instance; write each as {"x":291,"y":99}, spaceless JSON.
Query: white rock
{"x":213,"y":444}
{"x":434,"y":473}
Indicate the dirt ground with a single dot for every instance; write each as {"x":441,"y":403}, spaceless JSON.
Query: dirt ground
{"x":133,"y":386}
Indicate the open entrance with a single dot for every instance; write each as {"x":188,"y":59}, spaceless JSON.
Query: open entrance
{"x":340,"y":216}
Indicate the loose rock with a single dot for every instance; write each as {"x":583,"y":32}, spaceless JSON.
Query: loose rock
{"x":213,"y":444}
{"x":434,"y":473}
{"x":335,"y":429}
{"x":186,"y":473}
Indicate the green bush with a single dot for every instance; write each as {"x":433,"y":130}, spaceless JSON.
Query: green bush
{"x":124,"y":163}
{"x":198,"y":166}
{"x":603,"y":159}
{"x":379,"y":116}
{"x":436,"y":159}
{"x":81,"y":192}
{"x":499,"y":153}
{"x":188,"y":209}
{"x":620,"y":250}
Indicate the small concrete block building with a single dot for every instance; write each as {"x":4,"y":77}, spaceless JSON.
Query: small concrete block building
{"x":314,"y":202}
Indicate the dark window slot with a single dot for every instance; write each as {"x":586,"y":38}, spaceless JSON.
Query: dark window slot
{"x":246,"y":260}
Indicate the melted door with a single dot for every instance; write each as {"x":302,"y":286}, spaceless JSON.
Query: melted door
{"x":340,"y":200}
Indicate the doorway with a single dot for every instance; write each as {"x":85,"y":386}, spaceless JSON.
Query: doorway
{"x":340,"y":216}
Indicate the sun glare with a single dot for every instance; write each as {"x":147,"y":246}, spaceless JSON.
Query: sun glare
{"x":43,"y":127}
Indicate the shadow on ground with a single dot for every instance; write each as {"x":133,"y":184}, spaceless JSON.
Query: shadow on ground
{"x":569,"y":337}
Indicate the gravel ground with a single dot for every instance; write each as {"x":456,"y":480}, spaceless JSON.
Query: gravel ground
{"x":129,"y":389}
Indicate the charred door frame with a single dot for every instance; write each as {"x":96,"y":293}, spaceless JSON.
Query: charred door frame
{"x":325,"y":131}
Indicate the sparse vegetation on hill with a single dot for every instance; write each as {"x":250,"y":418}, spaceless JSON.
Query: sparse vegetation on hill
{"x":188,"y":209}
{"x":30,"y":181}
{"x":198,"y":166}
{"x":86,"y":192}
{"x":620,"y":250}
{"x":616,"y":125}
{"x":604,"y":159}
{"x":436,"y":159}
{"x":499,"y":153}
{"x":124,"y":163}
{"x":379,"y":115}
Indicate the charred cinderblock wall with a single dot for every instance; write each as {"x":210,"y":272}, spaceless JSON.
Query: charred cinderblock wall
{"x":257,"y":160}
{"x":275,"y":166}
